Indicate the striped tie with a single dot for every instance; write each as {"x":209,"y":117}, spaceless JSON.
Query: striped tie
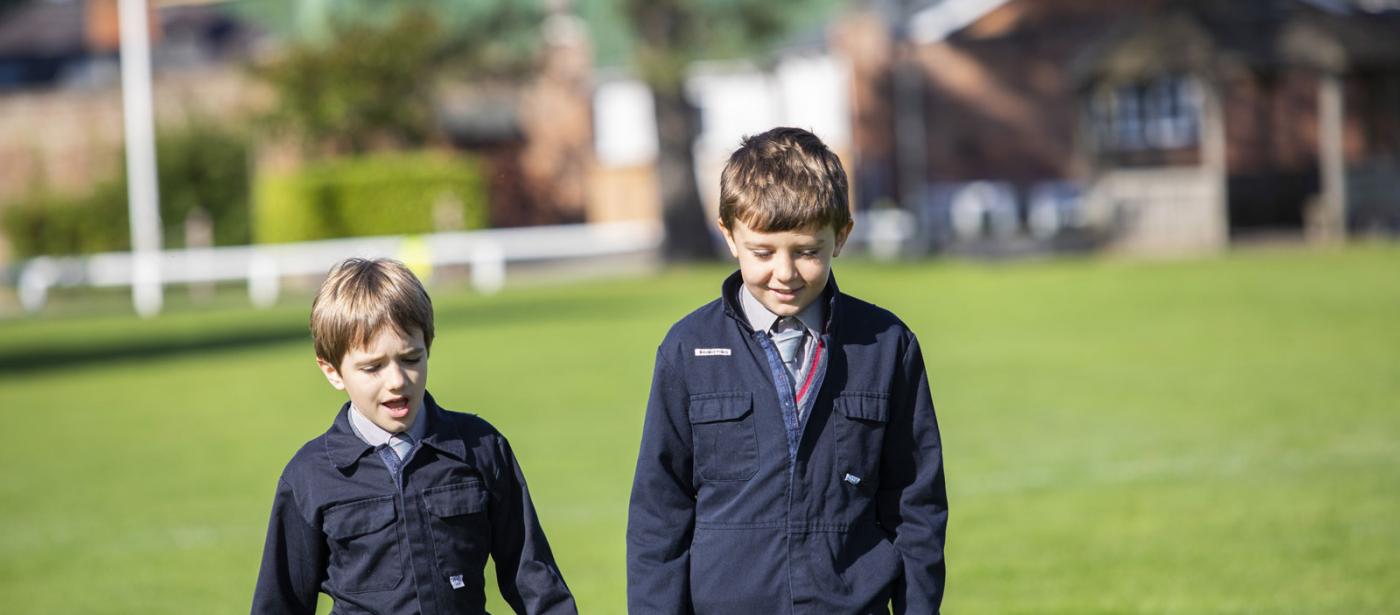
{"x":788,"y":336}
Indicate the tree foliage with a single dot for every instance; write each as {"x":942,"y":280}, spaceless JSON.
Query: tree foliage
{"x":366,"y":85}
{"x":359,"y":75}
{"x":670,"y":36}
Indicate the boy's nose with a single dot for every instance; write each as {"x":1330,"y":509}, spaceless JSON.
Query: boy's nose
{"x":784,"y":269}
{"x":395,"y":377}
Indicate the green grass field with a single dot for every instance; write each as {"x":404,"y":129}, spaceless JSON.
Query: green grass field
{"x":1215,"y":436}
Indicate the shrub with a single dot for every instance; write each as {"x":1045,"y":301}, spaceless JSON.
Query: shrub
{"x":203,"y":165}
{"x":199,"y":165}
{"x":61,"y":225}
{"x":383,"y":194}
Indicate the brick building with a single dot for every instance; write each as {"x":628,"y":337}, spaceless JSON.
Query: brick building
{"x":1183,"y":123}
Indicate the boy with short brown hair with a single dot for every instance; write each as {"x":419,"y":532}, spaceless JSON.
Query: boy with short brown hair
{"x":396,"y":508}
{"x":790,"y":459}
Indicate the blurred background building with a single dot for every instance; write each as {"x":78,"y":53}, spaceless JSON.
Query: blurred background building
{"x":967,"y":126}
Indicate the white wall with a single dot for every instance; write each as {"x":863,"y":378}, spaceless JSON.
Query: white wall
{"x":810,"y":91}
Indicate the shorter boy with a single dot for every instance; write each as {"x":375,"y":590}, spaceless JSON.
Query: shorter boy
{"x":790,"y":460}
{"x":396,"y":507}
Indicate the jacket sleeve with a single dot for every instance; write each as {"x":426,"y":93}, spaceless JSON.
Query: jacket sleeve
{"x":293,"y":562}
{"x":913,"y":500}
{"x":661,"y":517}
{"x":526,"y":573}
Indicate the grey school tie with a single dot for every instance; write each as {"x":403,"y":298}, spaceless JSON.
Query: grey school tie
{"x":402,"y":443}
{"x":397,"y":450}
{"x":788,"y":336}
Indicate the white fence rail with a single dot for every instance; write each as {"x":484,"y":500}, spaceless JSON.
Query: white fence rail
{"x":263,"y":266}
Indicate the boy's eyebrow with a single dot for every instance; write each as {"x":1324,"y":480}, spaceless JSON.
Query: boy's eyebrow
{"x":379,"y":357}
{"x":369,"y":359}
{"x":817,"y":243}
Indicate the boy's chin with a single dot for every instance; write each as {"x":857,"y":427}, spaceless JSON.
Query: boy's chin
{"x":783,"y":307}
{"x":392,"y":421}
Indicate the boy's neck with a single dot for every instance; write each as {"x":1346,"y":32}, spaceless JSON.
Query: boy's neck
{"x":812,"y":315}
{"x":375,"y":435}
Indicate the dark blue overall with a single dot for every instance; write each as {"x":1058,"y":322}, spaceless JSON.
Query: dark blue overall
{"x":743,"y":505}
{"x":411,"y":541}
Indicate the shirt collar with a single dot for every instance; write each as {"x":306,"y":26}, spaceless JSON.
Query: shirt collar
{"x":345,"y":447}
{"x":375,"y":435}
{"x":761,"y":319}
{"x":831,"y":302}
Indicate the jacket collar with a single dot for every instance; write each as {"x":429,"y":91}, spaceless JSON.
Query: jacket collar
{"x":731,"y":288}
{"x":345,"y":449}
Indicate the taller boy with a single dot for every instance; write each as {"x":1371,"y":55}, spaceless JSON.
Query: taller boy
{"x":790,"y":460}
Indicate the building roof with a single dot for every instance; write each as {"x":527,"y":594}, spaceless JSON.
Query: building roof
{"x":1255,"y":35}
{"x":43,"y":30}
{"x":942,"y":19}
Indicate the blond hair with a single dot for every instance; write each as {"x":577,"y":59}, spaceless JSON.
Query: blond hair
{"x":782,"y":180}
{"x":359,"y":298}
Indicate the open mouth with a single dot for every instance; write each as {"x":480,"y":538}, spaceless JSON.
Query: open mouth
{"x":397,"y":407}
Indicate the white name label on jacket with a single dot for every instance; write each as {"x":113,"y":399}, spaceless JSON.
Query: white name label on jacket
{"x":711,"y":352}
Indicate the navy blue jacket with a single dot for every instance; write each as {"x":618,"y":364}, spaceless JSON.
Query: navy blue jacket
{"x":739,"y":507}
{"x":412,"y":542}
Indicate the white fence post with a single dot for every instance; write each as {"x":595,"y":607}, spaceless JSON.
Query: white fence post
{"x":264,"y":283}
{"x":34,"y":282}
{"x":143,"y":193}
{"x":488,"y":262}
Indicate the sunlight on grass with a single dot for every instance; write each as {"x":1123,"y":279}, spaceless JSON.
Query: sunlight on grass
{"x":1202,"y":436}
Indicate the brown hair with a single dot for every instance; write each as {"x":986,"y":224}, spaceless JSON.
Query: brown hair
{"x":360,"y":297}
{"x":782,"y":180}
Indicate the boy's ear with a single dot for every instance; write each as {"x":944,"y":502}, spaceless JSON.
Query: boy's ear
{"x":331,"y":373}
{"x":728,"y":237}
{"x":842,"y":235}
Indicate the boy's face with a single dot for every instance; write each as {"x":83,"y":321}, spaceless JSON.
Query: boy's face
{"x":385,"y":379}
{"x":785,"y":270}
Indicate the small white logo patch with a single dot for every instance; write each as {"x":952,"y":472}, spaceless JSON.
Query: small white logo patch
{"x":711,"y":352}
{"x":852,"y":479}
{"x":457,"y":582}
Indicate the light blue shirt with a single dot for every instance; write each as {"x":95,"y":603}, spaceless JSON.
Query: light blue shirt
{"x":812,"y":318}
{"x":375,"y":435}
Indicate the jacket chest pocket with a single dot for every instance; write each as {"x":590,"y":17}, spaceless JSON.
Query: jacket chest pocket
{"x":461,"y":528}
{"x":723,"y":431}
{"x":860,"y":435}
{"x":364,"y":545}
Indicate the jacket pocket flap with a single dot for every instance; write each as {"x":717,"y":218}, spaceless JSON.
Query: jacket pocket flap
{"x":358,"y":518}
{"x":453,"y":500}
{"x":715,"y":407}
{"x":871,"y":407}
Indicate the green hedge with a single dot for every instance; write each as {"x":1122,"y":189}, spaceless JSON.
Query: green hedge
{"x":45,"y":223}
{"x":198,"y":165}
{"x":204,"y":166}
{"x":383,"y":194}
